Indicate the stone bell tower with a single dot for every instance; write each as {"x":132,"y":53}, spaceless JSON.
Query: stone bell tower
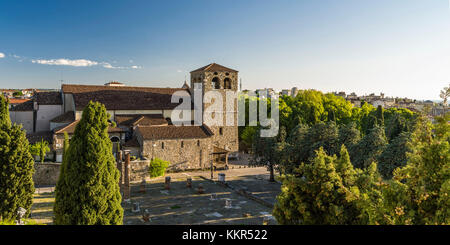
{"x":224,"y":81}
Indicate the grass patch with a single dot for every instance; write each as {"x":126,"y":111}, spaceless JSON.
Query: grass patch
{"x":42,"y":209}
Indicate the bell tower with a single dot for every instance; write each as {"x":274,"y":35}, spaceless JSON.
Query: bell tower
{"x":224,"y":81}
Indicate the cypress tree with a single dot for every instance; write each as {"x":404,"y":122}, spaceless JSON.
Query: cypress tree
{"x":16,"y":167}
{"x":380,"y":115}
{"x":87,"y":192}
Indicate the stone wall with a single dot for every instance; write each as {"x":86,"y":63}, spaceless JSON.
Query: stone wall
{"x":46,"y":174}
{"x":194,"y":154}
{"x":139,"y":170}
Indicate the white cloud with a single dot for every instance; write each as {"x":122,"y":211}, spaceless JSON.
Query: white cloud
{"x":2,"y":55}
{"x":67,"y":62}
{"x":107,"y":65}
{"x":80,"y":63}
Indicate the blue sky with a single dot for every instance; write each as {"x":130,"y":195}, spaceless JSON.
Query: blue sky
{"x":399,"y":47}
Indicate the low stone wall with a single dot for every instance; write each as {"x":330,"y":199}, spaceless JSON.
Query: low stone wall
{"x":139,"y":170}
{"x":46,"y":174}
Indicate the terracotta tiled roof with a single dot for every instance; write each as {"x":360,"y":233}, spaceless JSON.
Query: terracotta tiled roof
{"x":49,"y":98}
{"x":215,"y":67}
{"x":26,"y":106}
{"x":36,"y":137}
{"x":143,"y":120}
{"x":123,"y":98}
{"x":64,"y":118}
{"x":132,"y":143}
{"x":70,"y":128}
{"x":18,"y":101}
{"x":174,"y":132}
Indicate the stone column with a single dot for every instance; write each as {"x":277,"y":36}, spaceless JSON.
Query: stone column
{"x":226,"y":161}
{"x":126,"y":191}
{"x":120,"y":168}
{"x":212,"y":169}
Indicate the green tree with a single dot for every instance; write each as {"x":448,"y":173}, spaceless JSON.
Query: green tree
{"x":349,"y":135}
{"x":265,"y":153}
{"x":316,"y":194}
{"x":247,"y":136}
{"x":40,"y":149}
{"x":445,"y":94}
{"x":380,"y":115}
{"x":369,"y":148}
{"x":17,"y":93}
{"x":87,"y":192}
{"x":394,"y":155}
{"x":16,"y":167}
{"x":426,"y":178}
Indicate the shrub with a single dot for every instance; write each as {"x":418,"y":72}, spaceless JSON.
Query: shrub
{"x":158,"y":167}
{"x":26,"y":222}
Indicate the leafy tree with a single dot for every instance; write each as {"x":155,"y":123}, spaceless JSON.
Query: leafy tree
{"x":365,"y":117}
{"x":445,"y":94}
{"x":394,"y":155}
{"x":426,"y":178}
{"x":265,"y":153}
{"x":441,"y":127}
{"x":17,"y":93}
{"x":16,"y":167}
{"x":40,"y":149}
{"x":369,"y":148}
{"x":87,"y":191}
{"x":323,"y":135}
{"x":349,"y":135}
{"x":395,"y":126}
{"x":290,"y":154}
{"x":247,"y":136}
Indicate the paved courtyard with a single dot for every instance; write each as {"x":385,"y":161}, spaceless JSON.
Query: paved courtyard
{"x":184,"y":206}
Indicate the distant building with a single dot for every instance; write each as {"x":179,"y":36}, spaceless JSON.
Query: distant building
{"x":340,"y":94}
{"x":114,"y":84}
{"x":286,"y":92}
{"x":294,"y":92}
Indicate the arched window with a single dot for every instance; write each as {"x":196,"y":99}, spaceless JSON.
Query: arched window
{"x":115,"y":143}
{"x":227,"y":83}
{"x":216,"y":83}
{"x":115,"y":139}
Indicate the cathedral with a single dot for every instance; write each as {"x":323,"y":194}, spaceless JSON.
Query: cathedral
{"x":142,"y":118}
